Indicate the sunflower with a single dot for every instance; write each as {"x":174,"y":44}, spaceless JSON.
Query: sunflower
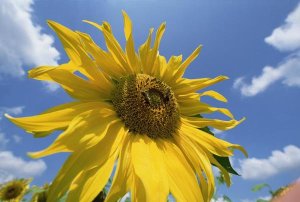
{"x":41,"y":194}
{"x":14,"y":191}
{"x":133,"y":109}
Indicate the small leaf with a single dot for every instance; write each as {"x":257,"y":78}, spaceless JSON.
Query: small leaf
{"x":261,"y":200}
{"x":258,"y":187}
{"x":224,"y":161}
{"x":206,"y":129}
{"x":226,"y":198}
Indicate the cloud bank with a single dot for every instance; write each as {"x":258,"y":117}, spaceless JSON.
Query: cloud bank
{"x":16,"y":167}
{"x":279,"y":161}
{"x":284,"y":38}
{"x":22,"y":42}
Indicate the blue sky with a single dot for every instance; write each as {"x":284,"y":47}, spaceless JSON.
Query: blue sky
{"x":256,"y":43}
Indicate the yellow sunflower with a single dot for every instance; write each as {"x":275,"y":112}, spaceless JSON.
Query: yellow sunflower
{"x":135,"y":109}
{"x":14,"y":191}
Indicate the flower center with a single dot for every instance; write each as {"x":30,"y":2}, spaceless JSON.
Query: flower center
{"x":146,"y":105}
{"x":13,"y":192}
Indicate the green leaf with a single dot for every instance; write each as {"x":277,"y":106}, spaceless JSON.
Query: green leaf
{"x":226,"y":198}
{"x":224,"y":161}
{"x":261,"y":200}
{"x":35,"y":189}
{"x":206,"y":129}
{"x":258,"y":187}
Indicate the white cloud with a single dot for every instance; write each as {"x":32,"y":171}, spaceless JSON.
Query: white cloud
{"x":16,"y":167}
{"x":12,"y":110}
{"x":288,"y":72}
{"x":22,"y":43}
{"x":219,"y":199}
{"x":266,"y":198}
{"x":279,"y":161}
{"x":283,"y":38}
{"x":287,"y":36}
{"x":50,"y":86}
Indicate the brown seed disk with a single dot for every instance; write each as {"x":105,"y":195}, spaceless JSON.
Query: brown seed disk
{"x":146,"y":105}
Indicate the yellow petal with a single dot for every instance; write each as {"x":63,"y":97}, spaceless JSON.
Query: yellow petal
{"x":191,"y":85}
{"x":41,"y":73}
{"x":113,"y":45}
{"x":215,"y":123}
{"x":170,"y":69}
{"x":195,"y":107}
{"x":144,"y":52}
{"x":149,"y":170}
{"x":223,"y":170}
{"x":186,"y":63}
{"x":200,"y":162}
{"x":84,"y":131}
{"x":123,"y":177}
{"x":55,"y":118}
{"x":214,"y":145}
{"x":84,"y":160}
{"x":214,"y":95}
{"x":182,"y":179}
{"x":91,"y":182}
{"x":127,"y":25}
{"x":162,"y":69}
{"x":103,"y":59}
{"x":154,"y":51}
{"x":75,"y":51}
{"x":130,"y":51}
{"x":188,"y":98}
{"x":77,"y":87}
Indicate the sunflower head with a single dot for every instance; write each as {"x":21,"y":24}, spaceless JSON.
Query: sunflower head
{"x":147,"y":105}
{"x":133,"y":108}
{"x":14,"y":190}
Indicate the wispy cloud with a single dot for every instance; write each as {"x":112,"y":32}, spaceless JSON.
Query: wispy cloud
{"x":17,"y":167}
{"x":11,"y":110}
{"x":279,"y":161}
{"x":284,"y":38}
{"x":22,"y":42}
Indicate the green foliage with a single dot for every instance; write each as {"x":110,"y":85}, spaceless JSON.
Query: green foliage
{"x":220,"y":179}
{"x":259,"y":187}
{"x":224,"y":161}
{"x":226,"y":198}
{"x":261,"y":200}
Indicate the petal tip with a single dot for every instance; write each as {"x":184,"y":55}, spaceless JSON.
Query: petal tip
{"x":8,"y":116}
{"x":32,"y":155}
